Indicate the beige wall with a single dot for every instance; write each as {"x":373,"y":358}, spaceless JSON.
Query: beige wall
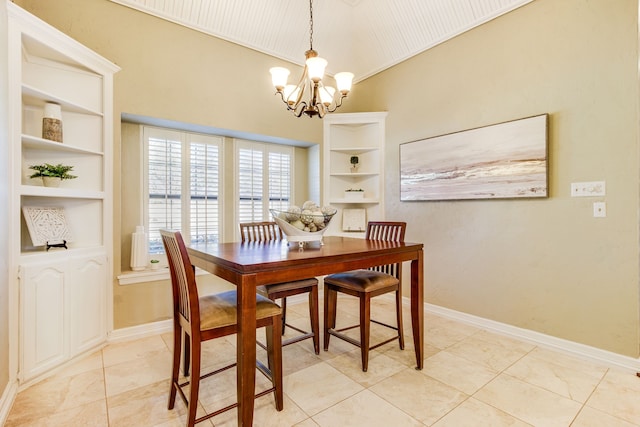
{"x":545,"y":265}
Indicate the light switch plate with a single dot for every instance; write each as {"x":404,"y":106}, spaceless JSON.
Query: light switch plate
{"x":599,"y":209}
{"x":588,"y":189}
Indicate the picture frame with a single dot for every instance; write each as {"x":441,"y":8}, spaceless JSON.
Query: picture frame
{"x":505,"y":160}
{"x":47,"y":226}
{"x":354,"y":220}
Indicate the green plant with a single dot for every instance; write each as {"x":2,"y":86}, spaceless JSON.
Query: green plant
{"x":154,"y":261}
{"x":60,"y":171}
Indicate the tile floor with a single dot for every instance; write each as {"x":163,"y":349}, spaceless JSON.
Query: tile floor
{"x":471,"y":377}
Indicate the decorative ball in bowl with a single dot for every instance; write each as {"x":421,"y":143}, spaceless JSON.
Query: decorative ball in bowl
{"x":304,"y":224}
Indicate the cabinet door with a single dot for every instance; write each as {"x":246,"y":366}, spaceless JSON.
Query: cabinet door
{"x":87,"y":302}
{"x":43,"y":307}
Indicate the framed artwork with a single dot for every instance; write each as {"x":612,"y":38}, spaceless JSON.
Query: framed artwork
{"x":354,"y":220}
{"x":505,"y":160}
{"x":47,"y":226}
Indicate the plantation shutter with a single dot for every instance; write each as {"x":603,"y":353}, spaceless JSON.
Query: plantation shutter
{"x":164,"y":185}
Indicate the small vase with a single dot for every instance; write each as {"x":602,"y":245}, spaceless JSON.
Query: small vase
{"x":155,"y":265}
{"x":51,"y":181}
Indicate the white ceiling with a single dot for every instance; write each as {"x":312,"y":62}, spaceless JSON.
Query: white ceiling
{"x":361,"y":36}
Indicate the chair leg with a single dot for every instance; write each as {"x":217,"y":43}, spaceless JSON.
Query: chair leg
{"x":195,"y":381}
{"x":175,"y":367}
{"x":314,"y":316}
{"x":330,"y":300}
{"x":399,"y":318}
{"x":365,"y":329}
{"x":284,"y":313}
{"x":274,"y":355}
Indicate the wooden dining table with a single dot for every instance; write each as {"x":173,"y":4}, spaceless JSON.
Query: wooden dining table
{"x":251,"y":264}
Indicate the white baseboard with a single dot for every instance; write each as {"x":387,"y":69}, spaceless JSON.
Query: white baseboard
{"x":583,"y":351}
{"x":6,"y":402}
{"x":593,"y":354}
{"x":140,"y":331}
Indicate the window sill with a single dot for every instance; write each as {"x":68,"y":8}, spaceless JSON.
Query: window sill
{"x":133,"y":277}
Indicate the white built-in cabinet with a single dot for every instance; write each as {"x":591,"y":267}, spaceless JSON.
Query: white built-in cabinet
{"x":63,"y":293}
{"x":347,"y":135}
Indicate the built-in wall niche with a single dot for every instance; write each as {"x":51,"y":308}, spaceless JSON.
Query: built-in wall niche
{"x":88,"y":167}
{"x":80,"y":216}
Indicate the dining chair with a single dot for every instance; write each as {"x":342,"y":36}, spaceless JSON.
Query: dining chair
{"x":268,"y":231}
{"x":200,"y":319}
{"x":366,"y":284}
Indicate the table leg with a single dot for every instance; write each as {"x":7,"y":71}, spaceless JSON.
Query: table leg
{"x":417,"y":307}
{"x":246,"y":352}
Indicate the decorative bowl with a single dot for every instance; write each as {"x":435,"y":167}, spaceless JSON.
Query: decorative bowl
{"x":297,"y":226}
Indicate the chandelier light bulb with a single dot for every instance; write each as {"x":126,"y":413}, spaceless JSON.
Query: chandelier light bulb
{"x":279,"y":76}
{"x":316,"y":66}
{"x":326,"y":95}
{"x":343,"y":81}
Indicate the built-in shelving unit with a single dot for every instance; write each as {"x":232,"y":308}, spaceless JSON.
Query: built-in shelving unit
{"x":63,"y":293}
{"x":345,"y":136}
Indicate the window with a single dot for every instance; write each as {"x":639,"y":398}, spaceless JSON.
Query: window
{"x":264,"y":179}
{"x":182,"y":185}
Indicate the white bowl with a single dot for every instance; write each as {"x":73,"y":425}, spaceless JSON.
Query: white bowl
{"x":295,"y":234}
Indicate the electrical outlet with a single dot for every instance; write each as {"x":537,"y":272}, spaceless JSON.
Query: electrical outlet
{"x":599,"y":209}
{"x":588,"y":189}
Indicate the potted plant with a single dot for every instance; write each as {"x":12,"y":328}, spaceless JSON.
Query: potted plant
{"x":52,"y":175}
{"x":354,"y":160}
{"x":155,"y":264}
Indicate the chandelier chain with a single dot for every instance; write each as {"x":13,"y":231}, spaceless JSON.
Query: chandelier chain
{"x":310,"y":24}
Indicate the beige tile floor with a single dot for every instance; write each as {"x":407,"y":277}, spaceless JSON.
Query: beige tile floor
{"x":471,"y":377}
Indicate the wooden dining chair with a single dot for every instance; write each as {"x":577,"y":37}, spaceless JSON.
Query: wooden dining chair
{"x":199,"y":319}
{"x":366,"y":284}
{"x":268,"y":232}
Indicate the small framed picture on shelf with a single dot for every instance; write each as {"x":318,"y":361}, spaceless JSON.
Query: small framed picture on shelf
{"x":354,"y":220}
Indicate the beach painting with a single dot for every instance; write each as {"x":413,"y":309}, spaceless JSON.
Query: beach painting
{"x":505,"y":160}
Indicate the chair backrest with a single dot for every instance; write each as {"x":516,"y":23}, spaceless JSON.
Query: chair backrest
{"x":186,"y":308}
{"x":388,"y":231}
{"x":260,"y":231}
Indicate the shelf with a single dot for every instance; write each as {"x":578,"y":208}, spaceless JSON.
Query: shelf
{"x":354,"y":150}
{"x":57,"y":254}
{"x":355,"y":174}
{"x":36,"y":143}
{"x":37,"y":98}
{"x":68,"y":193}
{"x":366,"y":200}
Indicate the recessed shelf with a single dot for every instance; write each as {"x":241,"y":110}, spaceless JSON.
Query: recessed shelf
{"x":37,"y":98}
{"x":36,"y":143}
{"x":67,"y":193}
{"x":354,"y":202}
{"x":354,"y":150}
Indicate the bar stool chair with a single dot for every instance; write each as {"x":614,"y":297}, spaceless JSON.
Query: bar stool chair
{"x":366,"y":284}
{"x":268,"y":232}
{"x":204,"y":318}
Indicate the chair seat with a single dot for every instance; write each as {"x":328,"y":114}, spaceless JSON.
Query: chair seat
{"x":287,"y":286}
{"x":362,"y":280}
{"x":219,"y":310}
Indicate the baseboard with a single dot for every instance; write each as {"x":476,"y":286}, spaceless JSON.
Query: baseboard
{"x":6,"y":402}
{"x":582,"y":351}
{"x":140,"y":331}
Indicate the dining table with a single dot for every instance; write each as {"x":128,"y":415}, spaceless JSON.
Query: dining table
{"x":251,"y":264}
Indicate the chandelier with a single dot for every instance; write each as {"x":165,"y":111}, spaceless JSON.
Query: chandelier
{"x":310,"y":96}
